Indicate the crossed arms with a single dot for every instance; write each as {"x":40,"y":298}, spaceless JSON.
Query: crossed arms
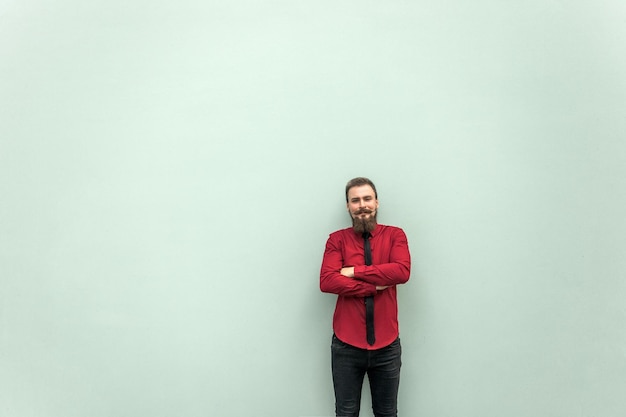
{"x":362,"y":280}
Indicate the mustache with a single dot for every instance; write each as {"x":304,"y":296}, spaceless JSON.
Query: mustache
{"x":364,"y":211}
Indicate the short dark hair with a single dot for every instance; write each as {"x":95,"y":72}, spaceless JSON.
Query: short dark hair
{"x":359,"y":181}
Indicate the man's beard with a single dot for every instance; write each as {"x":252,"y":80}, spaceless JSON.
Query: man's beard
{"x":362,"y":225}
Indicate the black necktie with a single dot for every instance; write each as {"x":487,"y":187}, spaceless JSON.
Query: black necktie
{"x":369,"y":300}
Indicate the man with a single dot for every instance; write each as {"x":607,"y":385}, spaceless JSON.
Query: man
{"x":362,"y":265}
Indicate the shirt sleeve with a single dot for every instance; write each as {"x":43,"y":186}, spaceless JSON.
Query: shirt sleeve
{"x":331,"y":280}
{"x":394,"y":272}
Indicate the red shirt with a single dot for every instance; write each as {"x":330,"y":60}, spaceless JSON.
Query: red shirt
{"x":391,"y":265}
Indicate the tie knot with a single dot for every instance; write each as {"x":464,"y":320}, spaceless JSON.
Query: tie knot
{"x":366,"y":235}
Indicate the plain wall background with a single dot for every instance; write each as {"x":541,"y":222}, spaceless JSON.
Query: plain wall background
{"x":170,"y":170}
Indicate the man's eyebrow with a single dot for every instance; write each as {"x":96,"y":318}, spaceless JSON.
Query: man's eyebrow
{"x":365,"y":197}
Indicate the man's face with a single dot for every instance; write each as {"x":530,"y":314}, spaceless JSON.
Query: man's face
{"x":363,"y":207}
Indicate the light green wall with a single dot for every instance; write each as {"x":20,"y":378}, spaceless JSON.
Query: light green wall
{"x":170,"y":170}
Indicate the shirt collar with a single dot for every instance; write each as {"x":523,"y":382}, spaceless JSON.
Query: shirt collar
{"x":372,"y":233}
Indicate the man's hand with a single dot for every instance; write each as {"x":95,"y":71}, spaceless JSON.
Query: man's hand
{"x":347,"y":272}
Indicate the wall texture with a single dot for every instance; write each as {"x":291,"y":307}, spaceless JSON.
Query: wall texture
{"x":170,"y":170}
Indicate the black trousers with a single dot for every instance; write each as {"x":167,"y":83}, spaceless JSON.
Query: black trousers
{"x":382,"y":366}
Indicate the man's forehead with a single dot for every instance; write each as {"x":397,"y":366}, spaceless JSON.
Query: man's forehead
{"x":360,"y":190}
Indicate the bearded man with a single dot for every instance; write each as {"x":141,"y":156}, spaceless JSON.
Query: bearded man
{"x":363,"y":264}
